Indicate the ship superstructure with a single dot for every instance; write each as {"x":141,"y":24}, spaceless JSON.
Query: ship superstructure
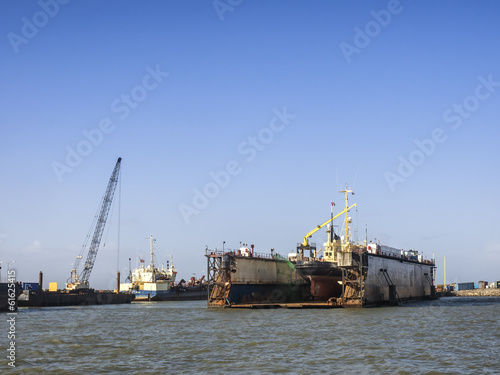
{"x":150,"y":282}
{"x":322,"y":271}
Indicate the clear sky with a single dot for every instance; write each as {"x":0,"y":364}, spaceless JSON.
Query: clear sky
{"x":267,"y":109}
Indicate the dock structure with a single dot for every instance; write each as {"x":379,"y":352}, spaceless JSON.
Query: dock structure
{"x":349,"y":274}
{"x":252,"y":280}
{"x":244,"y":277}
{"x":219,"y":279}
{"x":354,"y":268}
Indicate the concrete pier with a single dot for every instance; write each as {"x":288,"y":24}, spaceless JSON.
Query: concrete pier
{"x":488,"y":292}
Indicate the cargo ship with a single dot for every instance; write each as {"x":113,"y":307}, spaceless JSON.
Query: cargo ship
{"x":348,"y":274}
{"x":152,"y":283}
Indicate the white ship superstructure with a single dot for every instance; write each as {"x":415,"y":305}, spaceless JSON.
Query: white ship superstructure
{"x":150,"y":282}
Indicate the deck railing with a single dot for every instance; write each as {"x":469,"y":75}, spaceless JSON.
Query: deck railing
{"x":274,"y":255}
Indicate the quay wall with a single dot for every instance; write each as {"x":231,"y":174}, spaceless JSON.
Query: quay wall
{"x":488,"y":292}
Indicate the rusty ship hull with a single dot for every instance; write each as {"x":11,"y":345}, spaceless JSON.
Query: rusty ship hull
{"x":325,"y":278}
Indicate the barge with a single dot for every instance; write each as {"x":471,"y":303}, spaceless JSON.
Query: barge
{"x":76,"y":298}
{"x":34,"y":296}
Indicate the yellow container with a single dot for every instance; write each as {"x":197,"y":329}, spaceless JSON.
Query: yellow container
{"x":52,"y":287}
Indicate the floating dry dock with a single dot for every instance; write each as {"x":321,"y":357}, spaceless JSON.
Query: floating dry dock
{"x":349,"y":274}
{"x":258,"y":281}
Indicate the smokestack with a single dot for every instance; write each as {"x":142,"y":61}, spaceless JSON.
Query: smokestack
{"x":118,"y":282}
{"x":40,"y":282}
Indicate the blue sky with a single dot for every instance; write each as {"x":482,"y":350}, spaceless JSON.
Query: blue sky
{"x":182,"y":88}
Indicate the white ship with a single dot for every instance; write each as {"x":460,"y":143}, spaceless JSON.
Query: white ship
{"x":150,"y":282}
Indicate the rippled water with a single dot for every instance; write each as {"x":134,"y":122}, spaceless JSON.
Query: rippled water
{"x":450,"y":336}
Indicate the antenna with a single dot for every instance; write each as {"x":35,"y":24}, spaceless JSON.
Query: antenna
{"x":355,"y":176}
{"x":331,"y":221}
{"x":337,"y":173}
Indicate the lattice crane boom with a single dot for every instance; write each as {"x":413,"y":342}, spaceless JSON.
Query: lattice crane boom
{"x":82,"y":281}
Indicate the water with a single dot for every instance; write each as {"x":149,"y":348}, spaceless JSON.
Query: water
{"x":449,"y":336}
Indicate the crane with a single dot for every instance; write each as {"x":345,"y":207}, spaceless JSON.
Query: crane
{"x":82,"y":281}
{"x":305,"y":245}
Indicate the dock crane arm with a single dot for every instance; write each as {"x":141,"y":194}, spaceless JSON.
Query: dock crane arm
{"x":308,"y":235}
{"x":82,"y":281}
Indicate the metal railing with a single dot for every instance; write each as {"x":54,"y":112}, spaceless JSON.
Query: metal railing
{"x":209,"y":252}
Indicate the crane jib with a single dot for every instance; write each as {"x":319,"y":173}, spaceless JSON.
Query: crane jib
{"x":82,"y":280}
{"x":306,"y":237}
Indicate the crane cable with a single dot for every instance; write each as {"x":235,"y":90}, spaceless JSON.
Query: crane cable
{"x":87,"y":237}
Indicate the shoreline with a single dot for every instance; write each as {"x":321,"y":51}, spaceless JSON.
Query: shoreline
{"x":477,"y":293}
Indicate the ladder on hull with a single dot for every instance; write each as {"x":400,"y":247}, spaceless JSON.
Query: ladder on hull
{"x":393,"y":294}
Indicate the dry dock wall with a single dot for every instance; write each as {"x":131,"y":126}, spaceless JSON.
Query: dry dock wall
{"x":263,"y":271}
{"x":258,"y":280}
{"x":409,"y":278}
{"x":235,"y":279}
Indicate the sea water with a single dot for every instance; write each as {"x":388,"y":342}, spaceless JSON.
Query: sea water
{"x":454,"y":335}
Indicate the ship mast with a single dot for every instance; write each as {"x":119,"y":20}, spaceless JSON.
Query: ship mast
{"x":331,"y":221}
{"x":151,"y":252}
{"x":347,"y":228}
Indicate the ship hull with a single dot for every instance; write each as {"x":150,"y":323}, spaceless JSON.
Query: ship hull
{"x":192,"y":293}
{"x":325,"y":278}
